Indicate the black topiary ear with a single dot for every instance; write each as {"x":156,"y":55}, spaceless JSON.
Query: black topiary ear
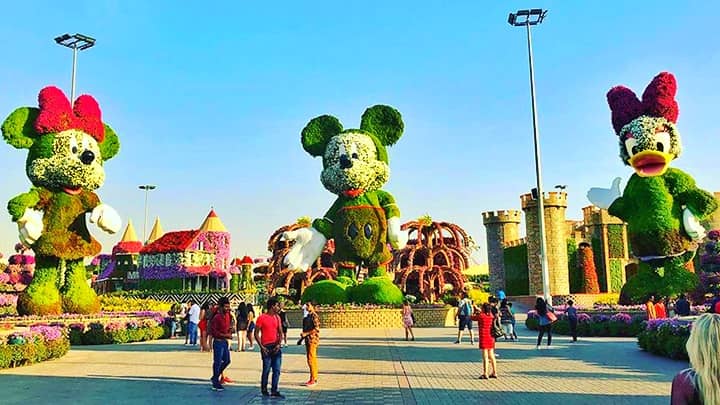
{"x":110,"y":146}
{"x":19,"y":128}
{"x":317,"y":133}
{"x":384,"y":122}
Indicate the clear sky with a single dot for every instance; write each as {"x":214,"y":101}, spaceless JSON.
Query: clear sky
{"x":209,"y":100}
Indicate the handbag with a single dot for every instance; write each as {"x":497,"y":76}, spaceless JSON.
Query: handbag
{"x":551,"y":316}
{"x":412,"y":316}
{"x":496,"y":330}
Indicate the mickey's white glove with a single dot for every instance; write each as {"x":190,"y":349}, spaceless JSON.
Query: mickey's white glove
{"x":691,"y":225}
{"x":397,"y":238}
{"x":309,"y":243}
{"x":604,"y":197}
{"x":30,"y":226}
{"x":106,"y":218}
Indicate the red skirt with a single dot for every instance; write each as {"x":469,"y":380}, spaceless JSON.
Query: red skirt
{"x":202,"y":325}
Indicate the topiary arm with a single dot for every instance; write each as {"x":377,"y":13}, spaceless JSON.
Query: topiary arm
{"x":387,"y":202}
{"x":619,"y":208}
{"x":18,"y":205}
{"x":683,"y":189}
{"x":325,"y":224}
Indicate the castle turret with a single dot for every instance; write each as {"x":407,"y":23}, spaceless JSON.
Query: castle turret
{"x":608,"y":236}
{"x":555,"y":241}
{"x":501,"y":227}
{"x":156,"y":232}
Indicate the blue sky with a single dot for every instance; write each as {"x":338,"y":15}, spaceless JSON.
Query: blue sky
{"x":209,"y":101}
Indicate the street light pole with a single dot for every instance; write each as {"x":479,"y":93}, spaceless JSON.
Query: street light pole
{"x":147,"y":188}
{"x":77,"y":42}
{"x":528,"y":18}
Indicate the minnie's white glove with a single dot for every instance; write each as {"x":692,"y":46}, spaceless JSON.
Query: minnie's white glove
{"x":309,"y":243}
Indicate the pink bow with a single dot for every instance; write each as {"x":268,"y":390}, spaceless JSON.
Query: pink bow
{"x":56,"y":114}
{"x":658,"y":100}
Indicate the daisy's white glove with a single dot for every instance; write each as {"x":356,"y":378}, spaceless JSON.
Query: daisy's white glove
{"x":604,"y":197}
{"x":309,"y":243}
{"x":106,"y":218}
{"x":691,"y":225}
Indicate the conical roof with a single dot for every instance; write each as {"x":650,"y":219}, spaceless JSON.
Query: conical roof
{"x":157,"y":231}
{"x":213,"y":223}
{"x":129,"y":235}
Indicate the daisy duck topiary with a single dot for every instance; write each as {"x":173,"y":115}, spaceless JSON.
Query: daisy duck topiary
{"x":67,"y":146}
{"x":364,"y":219}
{"x":661,"y":205}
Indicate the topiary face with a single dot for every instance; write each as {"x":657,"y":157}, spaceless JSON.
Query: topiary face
{"x":649,"y":144}
{"x":69,"y":161}
{"x":350,"y":163}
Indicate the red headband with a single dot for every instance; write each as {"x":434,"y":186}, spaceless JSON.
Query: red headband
{"x":56,"y":114}
{"x":658,"y":100}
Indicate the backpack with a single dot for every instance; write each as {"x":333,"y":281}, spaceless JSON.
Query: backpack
{"x":466,"y":308}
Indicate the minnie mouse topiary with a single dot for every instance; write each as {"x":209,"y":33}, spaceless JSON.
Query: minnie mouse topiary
{"x":66,"y":150}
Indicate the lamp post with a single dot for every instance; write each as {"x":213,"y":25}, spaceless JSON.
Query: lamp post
{"x":528,"y":18}
{"x":147,"y":188}
{"x":77,"y":42}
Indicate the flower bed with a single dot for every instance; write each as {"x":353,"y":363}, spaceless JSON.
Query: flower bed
{"x":37,"y":344}
{"x":665,"y":337}
{"x":8,"y":304}
{"x":98,"y":333}
{"x":593,"y":324}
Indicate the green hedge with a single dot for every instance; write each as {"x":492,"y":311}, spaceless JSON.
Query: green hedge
{"x":375,"y":290}
{"x":326,"y":292}
{"x":616,"y":244}
{"x":32,"y":351}
{"x":616,"y":278}
{"x":97,"y":336}
{"x":664,"y":342}
{"x":602,"y":329}
{"x":517,"y":280}
{"x":575,"y":274}
{"x":162,"y":285}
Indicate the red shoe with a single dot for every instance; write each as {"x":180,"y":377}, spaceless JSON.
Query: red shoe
{"x":311,"y":383}
{"x":227,"y":380}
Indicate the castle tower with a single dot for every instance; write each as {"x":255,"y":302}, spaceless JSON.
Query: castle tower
{"x":217,"y":236}
{"x":608,"y":236}
{"x":555,"y":242}
{"x":500,"y":228}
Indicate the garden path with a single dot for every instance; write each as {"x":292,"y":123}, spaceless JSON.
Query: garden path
{"x":359,"y":366}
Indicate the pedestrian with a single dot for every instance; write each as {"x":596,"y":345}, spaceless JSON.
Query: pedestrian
{"x":463,"y":316}
{"x":251,"y":326}
{"x":501,"y":295}
{"x":284,"y":322}
{"x":699,"y":384}
{"x":193,"y":321}
{"x":506,"y":320}
{"x":715,"y":303}
{"x":185,"y":316}
{"x":311,"y":335}
{"x":268,"y":334}
{"x":650,"y":308}
{"x":486,"y":341}
{"x":172,"y":314}
{"x":512,"y":311}
{"x":547,"y":317}
{"x":571,"y":313}
{"x":304,"y":309}
{"x":221,"y":332}
{"x":408,"y":320}
{"x":205,"y":314}
{"x":682,"y":306}
{"x":242,"y":324}
{"x":660,"y":309}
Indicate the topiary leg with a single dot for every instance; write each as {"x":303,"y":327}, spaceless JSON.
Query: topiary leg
{"x":377,"y":270}
{"x":77,"y":296}
{"x":675,"y":279}
{"x":346,"y":269}
{"x":42,"y":297}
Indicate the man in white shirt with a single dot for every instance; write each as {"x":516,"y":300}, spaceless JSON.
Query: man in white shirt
{"x":194,"y":320}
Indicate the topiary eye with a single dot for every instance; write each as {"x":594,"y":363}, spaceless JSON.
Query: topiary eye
{"x":354,"y":155}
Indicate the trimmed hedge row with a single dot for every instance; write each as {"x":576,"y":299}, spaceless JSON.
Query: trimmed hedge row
{"x":374,"y":290}
{"x":601,"y":329}
{"x":665,"y":337}
{"x":98,"y":335}
{"x":32,"y":351}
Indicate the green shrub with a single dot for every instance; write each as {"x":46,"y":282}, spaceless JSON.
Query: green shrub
{"x":667,"y":340}
{"x":347,"y":281}
{"x":326,"y":292}
{"x":32,"y":351}
{"x":95,"y":336}
{"x":376,"y":290}
{"x":117,"y":303}
{"x":647,"y":281}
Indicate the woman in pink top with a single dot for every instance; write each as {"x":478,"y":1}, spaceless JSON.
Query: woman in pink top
{"x":407,"y":317}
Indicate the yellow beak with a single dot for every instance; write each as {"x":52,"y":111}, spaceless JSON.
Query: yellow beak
{"x":650,"y":163}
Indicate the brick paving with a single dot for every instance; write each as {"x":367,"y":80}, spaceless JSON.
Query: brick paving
{"x":358,"y":366}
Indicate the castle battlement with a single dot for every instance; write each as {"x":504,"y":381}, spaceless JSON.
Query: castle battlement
{"x":551,"y":199}
{"x":593,"y":215}
{"x":513,"y":243}
{"x":501,"y":216}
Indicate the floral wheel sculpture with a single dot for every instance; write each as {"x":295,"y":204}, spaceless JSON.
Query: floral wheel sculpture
{"x":67,"y":146}
{"x":436,"y":254}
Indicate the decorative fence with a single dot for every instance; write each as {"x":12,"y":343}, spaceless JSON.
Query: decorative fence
{"x":376,"y":317}
{"x":201,"y":298}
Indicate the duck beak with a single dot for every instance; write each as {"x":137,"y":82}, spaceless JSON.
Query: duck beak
{"x":649,"y":163}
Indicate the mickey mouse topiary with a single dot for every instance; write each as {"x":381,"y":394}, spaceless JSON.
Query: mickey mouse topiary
{"x":67,"y":146}
{"x":363,"y":219}
{"x":660,"y":204}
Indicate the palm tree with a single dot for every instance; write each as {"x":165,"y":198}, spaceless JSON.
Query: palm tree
{"x":436,"y":254}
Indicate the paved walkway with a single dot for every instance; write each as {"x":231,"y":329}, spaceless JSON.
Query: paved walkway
{"x":365,"y":366}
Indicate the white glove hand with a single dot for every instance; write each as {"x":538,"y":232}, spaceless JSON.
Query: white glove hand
{"x":397,"y":238}
{"x":604,"y":197}
{"x":691,"y":225}
{"x":106,"y":217}
{"x":30,"y":226}
{"x":309,"y":243}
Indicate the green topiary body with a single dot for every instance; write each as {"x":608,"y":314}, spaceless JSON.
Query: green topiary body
{"x":325,"y":292}
{"x":376,"y":290}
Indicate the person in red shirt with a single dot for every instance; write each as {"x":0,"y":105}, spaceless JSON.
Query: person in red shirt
{"x":221,"y":331}
{"x":660,"y":309}
{"x":485,"y":320}
{"x":269,"y":335}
